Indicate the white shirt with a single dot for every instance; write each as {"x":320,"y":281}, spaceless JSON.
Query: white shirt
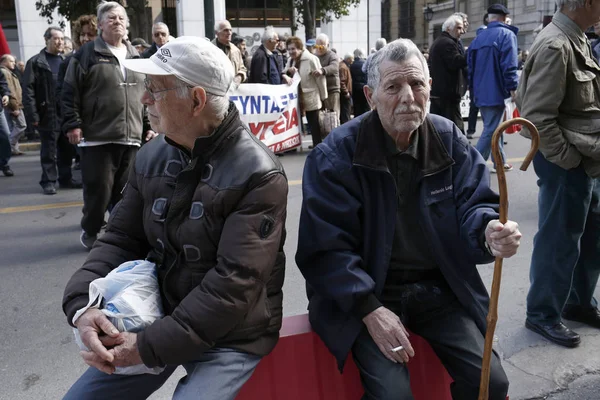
{"x":121,"y":54}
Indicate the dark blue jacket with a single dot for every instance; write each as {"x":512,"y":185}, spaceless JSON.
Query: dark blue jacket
{"x":493,"y":62}
{"x":348,"y":214}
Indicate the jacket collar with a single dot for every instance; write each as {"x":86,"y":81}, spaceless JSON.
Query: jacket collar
{"x":371,"y":147}
{"x":498,"y":24}
{"x":306,"y":55}
{"x":446,"y":34}
{"x":570,"y":28}
{"x":43,"y":61}
{"x":205,"y":145}
{"x":101,"y":47}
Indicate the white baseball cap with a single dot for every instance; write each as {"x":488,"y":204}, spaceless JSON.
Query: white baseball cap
{"x":192,"y":59}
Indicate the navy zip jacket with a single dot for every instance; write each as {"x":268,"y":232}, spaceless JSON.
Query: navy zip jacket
{"x":348,"y":213}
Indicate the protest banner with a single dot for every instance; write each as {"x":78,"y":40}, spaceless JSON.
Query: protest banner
{"x":271,"y":112}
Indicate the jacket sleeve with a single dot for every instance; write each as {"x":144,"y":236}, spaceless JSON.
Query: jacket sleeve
{"x":258,"y":69}
{"x":245,"y":258}
{"x":29,"y":102}
{"x":124,"y":240}
{"x":345,"y":81}
{"x":315,"y":64}
{"x":539,"y":102}
{"x":333,"y":67}
{"x":4,"y":91}
{"x":62,"y":70}
{"x":329,"y":238}
{"x":477,"y":203}
{"x":509,"y":62}
{"x":71,"y":96}
{"x":453,"y":58}
{"x":242,"y":71}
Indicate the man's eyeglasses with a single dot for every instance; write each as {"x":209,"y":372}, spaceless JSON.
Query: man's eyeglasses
{"x":153,"y":92}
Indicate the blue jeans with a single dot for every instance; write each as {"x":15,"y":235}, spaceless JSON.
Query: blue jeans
{"x":565,"y":263}
{"x":492,"y":117}
{"x":5,"y":151}
{"x":218,"y":374}
{"x":432,"y":311}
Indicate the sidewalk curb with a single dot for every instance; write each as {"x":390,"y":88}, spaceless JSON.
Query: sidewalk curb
{"x":29,"y":146}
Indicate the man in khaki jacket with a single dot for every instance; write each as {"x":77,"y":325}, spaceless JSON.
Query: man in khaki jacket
{"x":560,"y":93}
{"x":222,"y":40}
{"x":14,"y":111}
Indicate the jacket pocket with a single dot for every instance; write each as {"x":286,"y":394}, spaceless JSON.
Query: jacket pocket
{"x":585,"y":85}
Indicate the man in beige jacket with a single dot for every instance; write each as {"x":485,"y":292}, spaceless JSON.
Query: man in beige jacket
{"x":560,"y":93}
{"x":222,"y":40}
{"x":14,"y":111}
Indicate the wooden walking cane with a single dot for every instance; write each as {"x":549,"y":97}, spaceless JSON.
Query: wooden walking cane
{"x":492,"y":316}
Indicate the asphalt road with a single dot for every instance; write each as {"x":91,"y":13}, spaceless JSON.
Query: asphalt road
{"x":39,"y":250}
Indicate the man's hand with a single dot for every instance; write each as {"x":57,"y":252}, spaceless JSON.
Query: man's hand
{"x":150,"y":134}
{"x":387,"y":332}
{"x":16,"y":113}
{"x":292,"y":71}
{"x":126,"y":353}
{"x":74,"y":135}
{"x":503,"y":239}
{"x":317,"y":73}
{"x":5,"y":101}
{"x":287,"y":79}
{"x":93,"y":325}
{"x":237,"y":80}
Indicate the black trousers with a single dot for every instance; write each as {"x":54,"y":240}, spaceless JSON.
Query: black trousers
{"x":448,"y":108}
{"x":104,"y":171}
{"x":56,"y":156}
{"x":432,"y":311}
{"x":312,"y":117}
{"x":345,"y":109}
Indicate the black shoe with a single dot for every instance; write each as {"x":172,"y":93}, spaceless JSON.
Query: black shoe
{"x":87,"y":240}
{"x":469,"y":136}
{"x":7,"y":171}
{"x":589,"y":316}
{"x":49,"y":188}
{"x":558,"y":333}
{"x":72,"y":184}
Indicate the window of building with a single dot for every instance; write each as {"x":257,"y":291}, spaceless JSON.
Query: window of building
{"x":169,"y":15}
{"x":255,"y":13}
{"x":406,"y":22}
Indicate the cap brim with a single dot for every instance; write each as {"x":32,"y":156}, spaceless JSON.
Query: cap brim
{"x":145,"y":66}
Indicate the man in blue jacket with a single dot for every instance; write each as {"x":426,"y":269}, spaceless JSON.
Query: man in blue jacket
{"x":397,"y":211}
{"x":493,"y":63}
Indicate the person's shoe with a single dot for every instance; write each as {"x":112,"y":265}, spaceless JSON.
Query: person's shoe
{"x":48,"y":188}
{"x":7,"y":171}
{"x":589,"y":316}
{"x":87,"y":240}
{"x":310,"y":146}
{"x":72,"y":184}
{"x":16,"y":153}
{"x":558,"y":333}
{"x":470,"y":135}
{"x":508,"y":167}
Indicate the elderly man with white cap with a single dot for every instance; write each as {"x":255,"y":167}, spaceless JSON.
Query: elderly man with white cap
{"x":206,"y":201}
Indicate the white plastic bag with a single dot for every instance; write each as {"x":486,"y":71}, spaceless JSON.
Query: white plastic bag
{"x":130,"y":297}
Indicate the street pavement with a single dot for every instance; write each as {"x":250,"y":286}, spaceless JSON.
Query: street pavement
{"x":40,"y":250}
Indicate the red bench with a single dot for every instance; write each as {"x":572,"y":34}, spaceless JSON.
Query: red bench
{"x":301,"y":368}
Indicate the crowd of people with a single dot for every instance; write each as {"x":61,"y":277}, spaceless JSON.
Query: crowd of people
{"x":397,"y":206}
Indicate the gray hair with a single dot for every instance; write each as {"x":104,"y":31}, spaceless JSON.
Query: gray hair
{"x":380,"y":43}
{"x":160,"y":25}
{"x":572,"y":5}
{"x":107,"y":6}
{"x":398,"y":51}
{"x":323,"y":38}
{"x":462,"y":15}
{"x":347,"y":56}
{"x":219,"y":23}
{"x":451,"y":21}
{"x":358,"y":53}
{"x":218,"y":104}
{"x":268,"y":34}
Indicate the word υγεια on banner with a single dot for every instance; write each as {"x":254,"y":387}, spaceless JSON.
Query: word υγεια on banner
{"x":271,"y":112}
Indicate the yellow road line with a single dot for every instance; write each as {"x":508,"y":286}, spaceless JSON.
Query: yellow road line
{"x":10,"y":210}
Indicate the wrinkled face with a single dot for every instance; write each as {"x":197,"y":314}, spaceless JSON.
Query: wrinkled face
{"x":458,"y":30}
{"x":114,"y":23}
{"x":88,"y":34}
{"x":272,"y":43}
{"x":293,"y":51}
{"x":68,"y":47}
{"x":21,"y":66}
{"x":242,"y":46}
{"x":465,"y":24}
{"x":402,"y":95}
{"x":9,"y":63}
{"x":161,"y":36}
{"x":320,"y":48}
{"x":56,"y":43}
{"x":168,"y":113}
{"x":224,"y":33}
{"x":281,"y":45}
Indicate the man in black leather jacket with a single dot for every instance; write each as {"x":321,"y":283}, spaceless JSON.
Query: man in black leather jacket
{"x":207,"y":203}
